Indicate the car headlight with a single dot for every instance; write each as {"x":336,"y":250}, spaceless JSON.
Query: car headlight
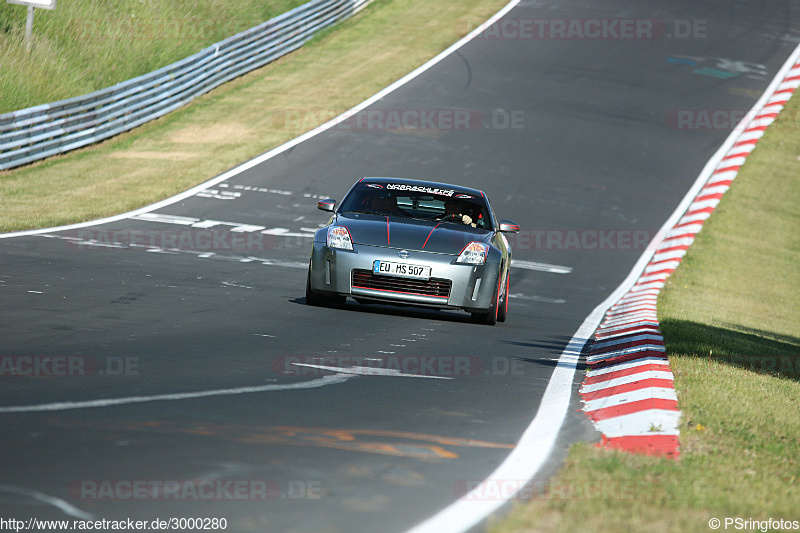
{"x":339,"y":237}
{"x":474,"y":253}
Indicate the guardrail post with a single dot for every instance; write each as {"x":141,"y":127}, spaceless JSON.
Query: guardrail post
{"x":29,"y":29}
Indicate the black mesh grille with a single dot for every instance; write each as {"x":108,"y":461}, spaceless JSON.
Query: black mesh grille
{"x":365,"y":279}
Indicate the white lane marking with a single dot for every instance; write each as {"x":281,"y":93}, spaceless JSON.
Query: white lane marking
{"x":285,"y":232}
{"x":248,"y":188}
{"x":264,"y":335}
{"x":370,"y":371}
{"x":219,"y":195}
{"x":542,"y":267}
{"x":36,"y":292}
{"x":235,"y":226}
{"x":195,"y":222}
{"x":201,"y":254}
{"x":65,"y":507}
{"x":534,"y":298}
{"x":109,"y":402}
{"x":270,"y":262}
{"x":229,"y":284}
{"x":167,"y":219}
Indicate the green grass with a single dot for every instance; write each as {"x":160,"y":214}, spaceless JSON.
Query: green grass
{"x":730,"y":316}
{"x":239,"y":120}
{"x":83,"y":46}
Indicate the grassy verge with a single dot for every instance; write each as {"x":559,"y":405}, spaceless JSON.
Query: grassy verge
{"x":81,"y":47}
{"x":239,"y":120}
{"x":730,"y":317}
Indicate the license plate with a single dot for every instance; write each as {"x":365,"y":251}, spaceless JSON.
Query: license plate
{"x":403,"y":270}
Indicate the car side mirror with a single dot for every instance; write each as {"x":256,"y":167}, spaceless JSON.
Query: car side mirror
{"x":327,"y":205}
{"x":509,"y":226}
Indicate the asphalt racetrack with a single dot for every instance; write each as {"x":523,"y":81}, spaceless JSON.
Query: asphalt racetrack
{"x":171,"y":362}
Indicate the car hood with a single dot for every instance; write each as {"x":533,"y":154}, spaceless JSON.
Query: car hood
{"x":410,"y":234}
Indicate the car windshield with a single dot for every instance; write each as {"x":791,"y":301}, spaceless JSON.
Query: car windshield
{"x":417,"y":202}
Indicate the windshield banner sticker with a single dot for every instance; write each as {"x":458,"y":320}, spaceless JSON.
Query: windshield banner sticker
{"x":419,"y":188}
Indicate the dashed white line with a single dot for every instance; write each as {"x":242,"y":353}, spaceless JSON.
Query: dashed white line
{"x":542,"y":267}
{"x":520,"y":296}
{"x":110,"y":402}
{"x":370,"y":371}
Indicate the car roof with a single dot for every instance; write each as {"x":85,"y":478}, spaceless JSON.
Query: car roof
{"x":424,"y":183}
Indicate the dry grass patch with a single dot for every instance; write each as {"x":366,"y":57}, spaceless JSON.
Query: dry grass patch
{"x":244,"y":118}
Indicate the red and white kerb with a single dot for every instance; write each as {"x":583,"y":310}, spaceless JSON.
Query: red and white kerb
{"x":629,"y":391}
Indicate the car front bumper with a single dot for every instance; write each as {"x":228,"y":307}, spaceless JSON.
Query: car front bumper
{"x":472,"y":287}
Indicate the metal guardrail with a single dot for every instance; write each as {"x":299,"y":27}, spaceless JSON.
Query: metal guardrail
{"x":42,"y":131}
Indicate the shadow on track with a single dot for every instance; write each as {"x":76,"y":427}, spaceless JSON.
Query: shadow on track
{"x":391,"y":310}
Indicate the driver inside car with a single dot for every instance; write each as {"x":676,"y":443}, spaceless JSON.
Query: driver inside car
{"x":452,"y":212}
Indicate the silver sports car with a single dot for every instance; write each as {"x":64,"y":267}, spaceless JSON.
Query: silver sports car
{"x":411,"y":242}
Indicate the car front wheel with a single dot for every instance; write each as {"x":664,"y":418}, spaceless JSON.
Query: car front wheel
{"x":502,"y":304}
{"x":490,"y":316}
{"x":312,"y":298}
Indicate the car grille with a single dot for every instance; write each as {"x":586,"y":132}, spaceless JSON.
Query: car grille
{"x":365,"y":279}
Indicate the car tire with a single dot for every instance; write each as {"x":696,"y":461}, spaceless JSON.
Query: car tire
{"x":502,"y":304}
{"x":490,"y":316}
{"x":311,"y":297}
{"x":319,"y":300}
